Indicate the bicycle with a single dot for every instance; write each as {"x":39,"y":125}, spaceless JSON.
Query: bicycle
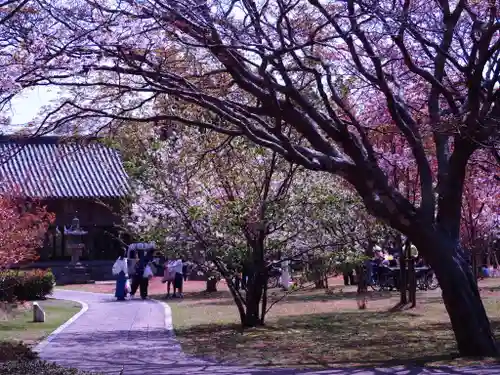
{"x":382,"y":281}
{"x":273,"y":279}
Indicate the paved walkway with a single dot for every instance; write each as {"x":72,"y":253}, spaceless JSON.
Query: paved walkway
{"x":135,"y":337}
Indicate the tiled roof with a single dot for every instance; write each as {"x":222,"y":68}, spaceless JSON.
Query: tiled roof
{"x":50,"y":167}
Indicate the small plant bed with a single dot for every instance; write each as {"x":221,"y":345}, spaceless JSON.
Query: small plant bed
{"x":17,"y":323}
{"x":38,"y":367}
{"x":314,"y":329}
{"x":18,"y":359}
{"x":16,"y":351}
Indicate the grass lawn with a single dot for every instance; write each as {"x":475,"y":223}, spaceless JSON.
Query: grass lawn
{"x":18,"y":325}
{"x":314,"y":329}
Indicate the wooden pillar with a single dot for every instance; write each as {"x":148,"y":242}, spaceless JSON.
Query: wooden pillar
{"x":63,"y":242}
{"x":88,"y":239}
{"x":54,"y":243}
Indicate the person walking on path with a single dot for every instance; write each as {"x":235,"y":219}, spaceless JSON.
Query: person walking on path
{"x":143,"y":273}
{"x":120,"y":270}
{"x":178,"y":278}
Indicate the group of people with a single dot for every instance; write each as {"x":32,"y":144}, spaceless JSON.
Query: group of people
{"x":380,"y":263}
{"x":129,"y":281}
{"x":174,"y":274}
{"x":141,"y":273}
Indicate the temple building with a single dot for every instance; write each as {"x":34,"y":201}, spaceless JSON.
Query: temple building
{"x":72,"y":177}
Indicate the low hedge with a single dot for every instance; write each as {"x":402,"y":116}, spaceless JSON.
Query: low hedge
{"x":25,"y":285}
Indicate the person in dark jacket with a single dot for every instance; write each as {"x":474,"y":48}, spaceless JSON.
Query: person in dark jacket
{"x":138,"y":280}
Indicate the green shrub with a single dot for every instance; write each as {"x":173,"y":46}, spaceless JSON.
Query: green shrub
{"x":8,"y":284}
{"x":13,"y":351}
{"x":37,"y":368}
{"x":25,"y":285}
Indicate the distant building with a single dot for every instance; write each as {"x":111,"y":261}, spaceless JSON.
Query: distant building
{"x":72,"y":177}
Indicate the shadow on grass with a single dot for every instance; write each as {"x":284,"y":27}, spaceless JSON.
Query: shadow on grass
{"x":203,"y":295}
{"x":137,"y":352}
{"x":353,"y":339}
{"x":224,"y":298}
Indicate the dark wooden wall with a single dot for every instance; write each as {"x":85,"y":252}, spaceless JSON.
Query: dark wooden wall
{"x":102,"y":220}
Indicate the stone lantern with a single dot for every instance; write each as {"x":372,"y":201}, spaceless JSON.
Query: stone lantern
{"x":74,"y":240}
{"x":75,"y":272}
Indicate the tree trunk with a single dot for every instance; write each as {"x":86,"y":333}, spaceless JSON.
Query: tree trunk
{"x":238,"y":300}
{"x":474,"y":264}
{"x":412,"y":281}
{"x":362,"y":289}
{"x":403,"y":287}
{"x":461,"y":298}
{"x":254,"y":295}
{"x":211,"y":285}
{"x":255,"y":286}
{"x":319,"y":283}
{"x":361,"y":282}
{"x":264,"y":304}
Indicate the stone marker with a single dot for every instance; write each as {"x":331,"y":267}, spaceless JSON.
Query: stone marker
{"x":38,"y":313}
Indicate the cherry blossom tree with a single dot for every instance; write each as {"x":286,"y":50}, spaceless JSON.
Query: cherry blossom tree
{"x":480,"y":205}
{"x":230,"y":202}
{"x":480,"y":202}
{"x":308,"y":80}
{"x":22,"y":230}
{"x":341,"y":219}
{"x":19,"y":47}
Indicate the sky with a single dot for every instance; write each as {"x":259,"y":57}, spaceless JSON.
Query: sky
{"x":26,"y":105}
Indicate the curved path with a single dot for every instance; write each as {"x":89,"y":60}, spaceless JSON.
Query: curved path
{"x":135,"y":338}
